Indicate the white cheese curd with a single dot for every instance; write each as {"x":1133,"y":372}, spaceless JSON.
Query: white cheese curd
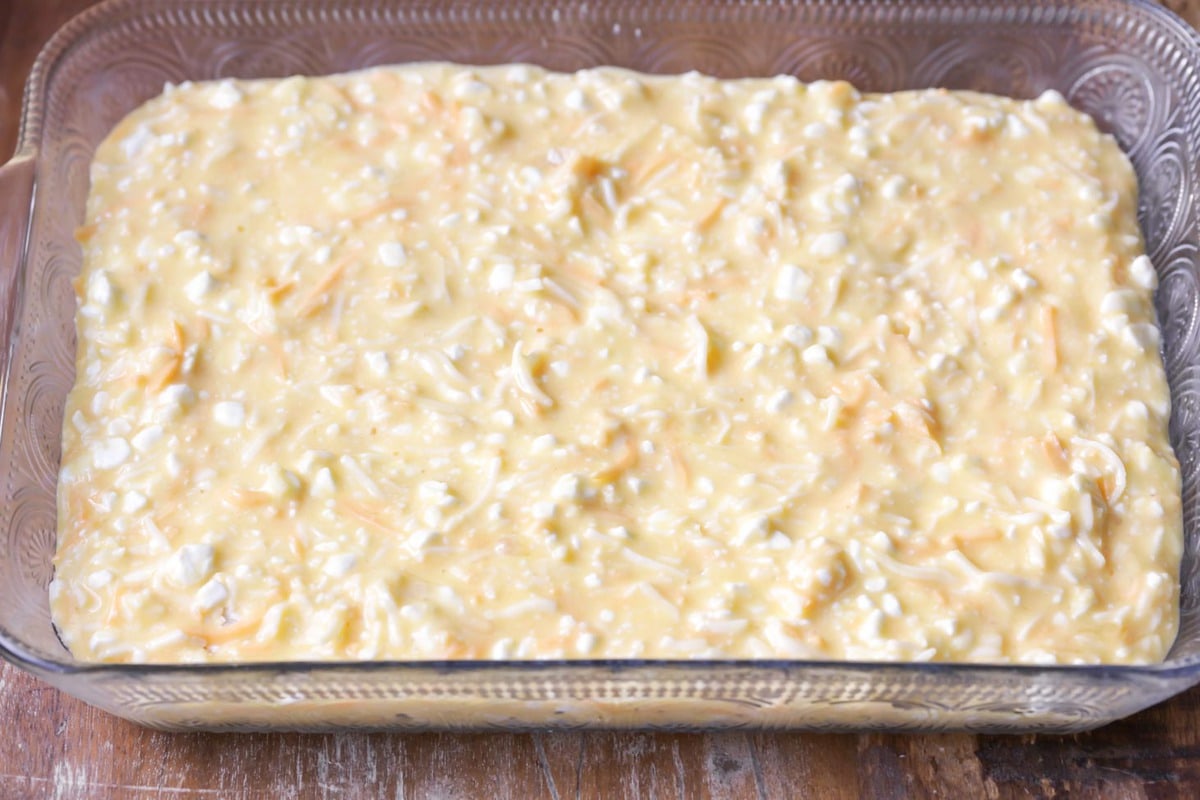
{"x":447,"y":362}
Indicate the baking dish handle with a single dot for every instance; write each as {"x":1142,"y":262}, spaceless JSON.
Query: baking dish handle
{"x":16,"y":206}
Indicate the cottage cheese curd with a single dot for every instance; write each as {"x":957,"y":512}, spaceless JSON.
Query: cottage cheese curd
{"x":443,"y":362}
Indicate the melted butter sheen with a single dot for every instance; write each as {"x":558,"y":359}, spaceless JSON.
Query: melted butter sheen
{"x":441,"y":362}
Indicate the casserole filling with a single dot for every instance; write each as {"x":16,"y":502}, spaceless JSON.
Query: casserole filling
{"x":442,"y":362}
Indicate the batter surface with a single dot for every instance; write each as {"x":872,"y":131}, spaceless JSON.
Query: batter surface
{"x":444,"y":362}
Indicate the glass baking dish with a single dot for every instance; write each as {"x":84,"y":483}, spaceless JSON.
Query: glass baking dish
{"x":1132,"y":65}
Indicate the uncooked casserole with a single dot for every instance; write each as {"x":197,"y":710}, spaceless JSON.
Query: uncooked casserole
{"x":441,"y":362}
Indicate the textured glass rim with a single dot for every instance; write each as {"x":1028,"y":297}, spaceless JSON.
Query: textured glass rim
{"x":273,"y":16}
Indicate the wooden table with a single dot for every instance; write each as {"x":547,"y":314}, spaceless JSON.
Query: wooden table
{"x":52,"y":745}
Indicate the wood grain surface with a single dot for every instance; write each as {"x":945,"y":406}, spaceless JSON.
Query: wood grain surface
{"x":52,"y":745}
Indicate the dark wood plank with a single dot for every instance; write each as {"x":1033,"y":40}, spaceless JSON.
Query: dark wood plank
{"x":825,"y":767}
{"x":28,"y":24}
{"x":1155,"y":754}
{"x":55,"y":746}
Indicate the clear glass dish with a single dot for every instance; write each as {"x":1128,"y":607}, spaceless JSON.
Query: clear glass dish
{"x":1132,"y":65}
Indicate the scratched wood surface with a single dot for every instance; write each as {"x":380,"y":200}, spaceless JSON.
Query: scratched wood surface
{"x":54,"y":746}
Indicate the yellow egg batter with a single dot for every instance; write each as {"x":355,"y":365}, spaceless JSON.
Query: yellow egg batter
{"x":442,"y":362}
